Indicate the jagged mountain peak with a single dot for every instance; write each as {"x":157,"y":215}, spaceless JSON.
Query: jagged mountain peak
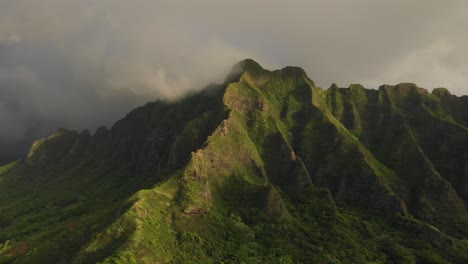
{"x":255,"y":70}
{"x":250,"y":64}
{"x":441,"y":92}
{"x":265,"y":166}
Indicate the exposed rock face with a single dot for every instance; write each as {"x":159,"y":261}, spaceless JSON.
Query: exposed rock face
{"x":274,"y":206}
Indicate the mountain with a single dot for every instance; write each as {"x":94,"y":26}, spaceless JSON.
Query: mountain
{"x":13,"y":148}
{"x":265,"y":168}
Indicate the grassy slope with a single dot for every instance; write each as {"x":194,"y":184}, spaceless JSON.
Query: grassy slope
{"x":277,"y":171}
{"x":72,"y":186}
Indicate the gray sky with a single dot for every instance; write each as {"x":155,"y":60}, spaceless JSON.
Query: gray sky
{"x":82,"y":63}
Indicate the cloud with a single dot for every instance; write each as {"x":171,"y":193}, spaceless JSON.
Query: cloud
{"x":82,"y":64}
{"x":85,"y":63}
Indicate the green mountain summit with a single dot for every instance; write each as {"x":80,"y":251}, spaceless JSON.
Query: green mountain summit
{"x":265,"y":168}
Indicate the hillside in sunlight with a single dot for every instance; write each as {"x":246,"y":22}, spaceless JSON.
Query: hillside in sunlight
{"x":265,"y":168}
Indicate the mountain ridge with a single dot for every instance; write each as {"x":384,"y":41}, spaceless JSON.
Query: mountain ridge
{"x":216,"y":176}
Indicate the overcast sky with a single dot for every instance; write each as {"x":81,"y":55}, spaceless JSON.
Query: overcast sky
{"x":82,"y":63}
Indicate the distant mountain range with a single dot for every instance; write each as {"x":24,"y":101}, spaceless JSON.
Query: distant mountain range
{"x":265,"y":168}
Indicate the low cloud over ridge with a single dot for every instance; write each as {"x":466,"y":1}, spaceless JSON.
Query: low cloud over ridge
{"x":81,"y":64}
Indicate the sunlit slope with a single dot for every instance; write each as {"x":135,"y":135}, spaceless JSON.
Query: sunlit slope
{"x":266,"y":168}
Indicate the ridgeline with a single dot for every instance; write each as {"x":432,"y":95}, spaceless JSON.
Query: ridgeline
{"x":265,"y":168}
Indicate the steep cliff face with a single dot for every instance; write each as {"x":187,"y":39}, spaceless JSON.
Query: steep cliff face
{"x":418,"y":136}
{"x":267,"y":167}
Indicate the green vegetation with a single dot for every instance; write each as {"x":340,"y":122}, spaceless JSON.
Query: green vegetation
{"x":267,"y":168}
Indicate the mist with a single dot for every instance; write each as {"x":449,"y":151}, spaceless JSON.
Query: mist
{"x":85,"y":63}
